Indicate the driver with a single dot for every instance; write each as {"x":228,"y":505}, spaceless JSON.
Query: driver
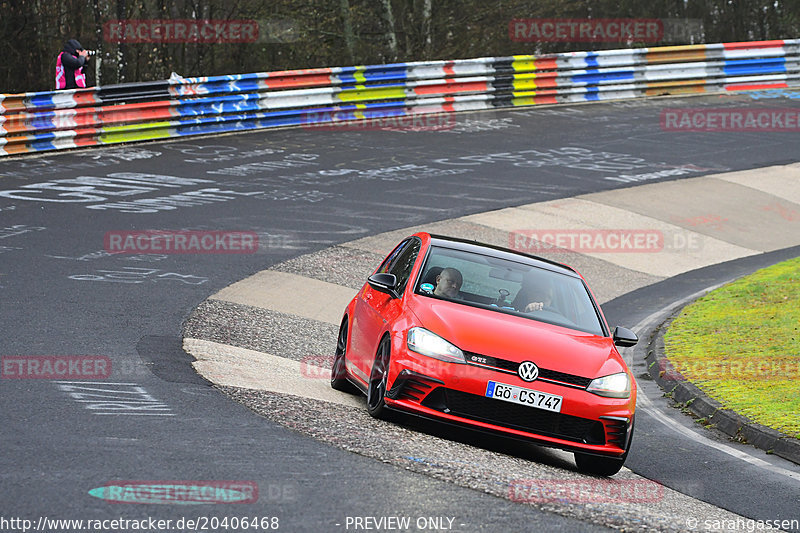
{"x":448,"y":283}
{"x":535,"y":295}
{"x":541,"y":298}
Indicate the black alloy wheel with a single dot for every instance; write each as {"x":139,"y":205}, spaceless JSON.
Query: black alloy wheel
{"x":338,"y":372}
{"x":376,"y":389}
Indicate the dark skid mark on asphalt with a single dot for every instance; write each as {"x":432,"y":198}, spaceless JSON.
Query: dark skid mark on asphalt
{"x":165,"y":358}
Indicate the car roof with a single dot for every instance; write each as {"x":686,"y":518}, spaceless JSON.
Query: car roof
{"x":501,"y":253}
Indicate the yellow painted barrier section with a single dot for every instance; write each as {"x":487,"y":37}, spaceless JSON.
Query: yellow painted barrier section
{"x":524,"y":85}
{"x":523,"y":65}
{"x":359,"y":75}
{"x":135,"y":132}
{"x":380,"y":93}
{"x":530,"y":100}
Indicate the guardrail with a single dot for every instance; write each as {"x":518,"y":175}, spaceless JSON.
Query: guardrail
{"x":33,"y":122}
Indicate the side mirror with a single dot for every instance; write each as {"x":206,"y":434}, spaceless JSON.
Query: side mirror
{"x":624,"y":337}
{"x":386,"y":283}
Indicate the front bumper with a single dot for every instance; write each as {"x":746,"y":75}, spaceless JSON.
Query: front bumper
{"x":455,"y":393}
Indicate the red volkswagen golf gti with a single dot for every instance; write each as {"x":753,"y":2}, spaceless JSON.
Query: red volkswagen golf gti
{"x":492,"y":339}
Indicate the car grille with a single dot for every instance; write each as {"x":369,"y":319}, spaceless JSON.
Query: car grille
{"x":514,"y":416}
{"x":512,"y":367}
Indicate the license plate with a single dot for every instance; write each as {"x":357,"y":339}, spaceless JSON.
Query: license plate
{"x":531,"y":398}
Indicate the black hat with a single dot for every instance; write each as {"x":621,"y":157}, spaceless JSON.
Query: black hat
{"x":72,"y":46}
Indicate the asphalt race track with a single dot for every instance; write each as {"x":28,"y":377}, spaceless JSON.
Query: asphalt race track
{"x":302,"y":191}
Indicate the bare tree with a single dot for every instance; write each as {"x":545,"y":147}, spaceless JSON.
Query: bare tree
{"x":391,"y":33}
{"x":349,"y":37}
{"x":427,"y":43}
{"x":341,"y":32}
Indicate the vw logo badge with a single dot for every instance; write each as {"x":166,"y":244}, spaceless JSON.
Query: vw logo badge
{"x":528,"y":371}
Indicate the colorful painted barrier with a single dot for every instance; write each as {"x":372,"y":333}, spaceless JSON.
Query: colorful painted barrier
{"x":33,"y":122}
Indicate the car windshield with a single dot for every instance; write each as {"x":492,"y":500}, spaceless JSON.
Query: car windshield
{"x":509,"y":287}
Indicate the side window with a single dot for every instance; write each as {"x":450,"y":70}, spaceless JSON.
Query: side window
{"x":404,"y":263}
{"x":387,"y":263}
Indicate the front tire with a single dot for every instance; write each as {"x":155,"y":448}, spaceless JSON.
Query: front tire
{"x":378,"y":377}
{"x":603,"y":466}
{"x":598,"y":466}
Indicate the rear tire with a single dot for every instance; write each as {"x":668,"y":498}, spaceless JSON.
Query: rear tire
{"x":338,"y":371}
{"x":378,"y":377}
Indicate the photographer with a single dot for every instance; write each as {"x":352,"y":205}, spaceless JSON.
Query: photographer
{"x":69,"y":66}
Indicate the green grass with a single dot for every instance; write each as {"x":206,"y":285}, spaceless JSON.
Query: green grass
{"x":740,"y":344}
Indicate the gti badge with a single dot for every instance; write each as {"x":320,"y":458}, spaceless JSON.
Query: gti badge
{"x":528,"y":371}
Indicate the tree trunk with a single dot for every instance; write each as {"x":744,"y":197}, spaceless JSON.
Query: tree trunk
{"x":98,"y":32}
{"x":391,"y":34}
{"x":349,"y":37}
{"x":121,"y":15}
{"x":427,"y":40}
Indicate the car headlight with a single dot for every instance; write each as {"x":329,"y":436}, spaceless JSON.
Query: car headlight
{"x":613,"y":386}
{"x":422,"y":341}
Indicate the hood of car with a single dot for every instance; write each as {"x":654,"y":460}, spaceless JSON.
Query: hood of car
{"x":515,"y":338}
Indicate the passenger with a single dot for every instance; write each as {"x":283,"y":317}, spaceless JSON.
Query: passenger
{"x":448,"y":283}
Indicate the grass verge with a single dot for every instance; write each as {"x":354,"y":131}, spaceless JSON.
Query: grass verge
{"x":740,"y":344}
